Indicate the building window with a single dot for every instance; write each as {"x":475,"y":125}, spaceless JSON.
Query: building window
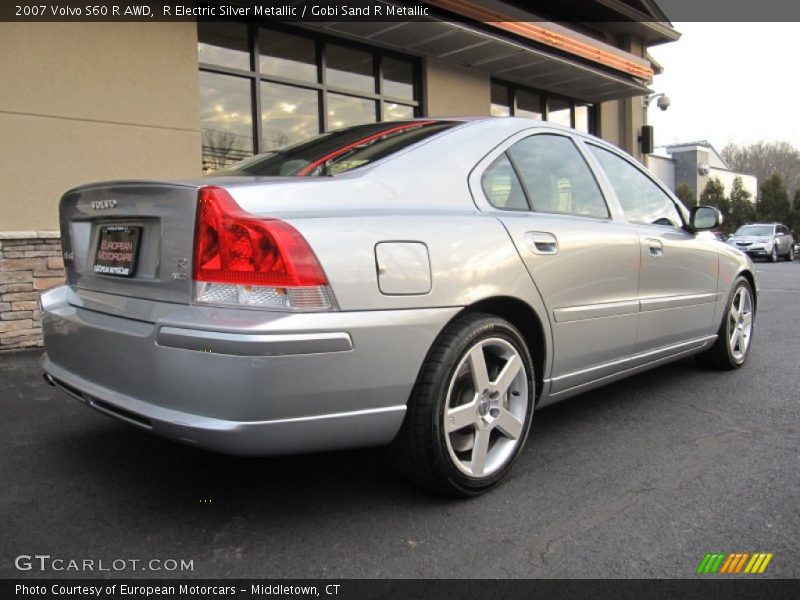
{"x":501,"y":101}
{"x":528,"y":105}
{"x":581,"y":118}
{"x":226,"y":117}
{"x":288,"y":56}
{"x":289,"y":114}
{"x":509,"y":99}
{"x":223,"y":45}
{"x":262,"y":88}
{"x":559,"y":111}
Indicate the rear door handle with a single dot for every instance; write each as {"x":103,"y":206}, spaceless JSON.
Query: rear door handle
{"x":655,"y":246}
{"x":541,"y":242}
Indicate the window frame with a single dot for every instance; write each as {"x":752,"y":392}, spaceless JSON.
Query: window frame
{"x":255,"y":77}
{"x":682,"y":211}
{"x":489,"y":160}
{"x":504,"y":154}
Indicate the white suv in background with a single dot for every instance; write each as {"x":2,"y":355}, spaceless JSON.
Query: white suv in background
{"x":764,"y":240}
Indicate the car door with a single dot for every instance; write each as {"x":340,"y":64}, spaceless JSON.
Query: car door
{"x":679,"y":269}
{"x":582,"y":259}
{"x":783,"y":240}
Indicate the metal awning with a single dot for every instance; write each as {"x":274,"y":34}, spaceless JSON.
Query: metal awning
{"x":493,"y":53}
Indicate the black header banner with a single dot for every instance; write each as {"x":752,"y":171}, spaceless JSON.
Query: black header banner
{"x":315,"y":11}
{"x":318,"y":11}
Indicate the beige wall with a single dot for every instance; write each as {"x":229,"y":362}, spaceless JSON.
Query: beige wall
{"x":610,"y":122}
{"x":453,"y":90}
{"x":621,"y":124}
{"x":632,"y":115}
{"x":85,"y":102}
{"x":621,"y":120}
{"x":631,"y":121}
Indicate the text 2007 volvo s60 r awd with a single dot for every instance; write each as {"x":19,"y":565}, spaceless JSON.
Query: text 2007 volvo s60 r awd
{"x":424,"y":284}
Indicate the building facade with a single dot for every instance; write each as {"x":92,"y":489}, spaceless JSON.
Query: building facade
{"x":84,"y":102}
{"x":695,"y":164}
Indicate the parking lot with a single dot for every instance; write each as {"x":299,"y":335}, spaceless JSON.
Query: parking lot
{"x":637,"y":479}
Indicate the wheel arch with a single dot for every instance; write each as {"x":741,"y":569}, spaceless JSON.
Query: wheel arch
{"x":747,"y":274}
{"x":522,"y":316}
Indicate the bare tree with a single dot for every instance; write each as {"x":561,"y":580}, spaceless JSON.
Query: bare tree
{"x":275,"y":139}
{"x":763,"y":159}
{"x":220,"y":148}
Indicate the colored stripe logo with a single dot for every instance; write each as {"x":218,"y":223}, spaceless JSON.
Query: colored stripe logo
{"x":734,"y":563}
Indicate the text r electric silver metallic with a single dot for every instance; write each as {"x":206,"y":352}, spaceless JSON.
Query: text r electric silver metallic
{"x":422,"y":284}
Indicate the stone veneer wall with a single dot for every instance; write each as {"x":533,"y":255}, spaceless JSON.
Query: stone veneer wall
{"x":30,"y":262}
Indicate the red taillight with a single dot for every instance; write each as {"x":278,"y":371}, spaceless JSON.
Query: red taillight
{"x":244,"y":260}
{"x":233,"y":246}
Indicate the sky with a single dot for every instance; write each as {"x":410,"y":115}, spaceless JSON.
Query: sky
{"x":729,"y":82}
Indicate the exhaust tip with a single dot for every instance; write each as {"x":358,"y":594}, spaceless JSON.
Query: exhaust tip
{"x":48,"y":379}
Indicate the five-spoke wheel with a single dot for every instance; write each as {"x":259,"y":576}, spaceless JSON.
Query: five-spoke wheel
{"x":734,"y":334}
{"x":470,"y":412}
{"x":485,"y":407}
{"x":740,"y":323}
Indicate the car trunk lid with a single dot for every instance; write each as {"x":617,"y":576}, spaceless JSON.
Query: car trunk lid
{"x":130,"y":238}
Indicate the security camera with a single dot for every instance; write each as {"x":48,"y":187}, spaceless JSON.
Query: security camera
{"x":663,"y":102}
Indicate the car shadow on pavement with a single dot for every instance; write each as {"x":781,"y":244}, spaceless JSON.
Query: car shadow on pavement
{"x":140,"y":464}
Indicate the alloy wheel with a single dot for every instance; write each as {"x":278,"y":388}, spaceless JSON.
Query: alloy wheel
{"x":485,"y":408}
{"x":740,"y":324}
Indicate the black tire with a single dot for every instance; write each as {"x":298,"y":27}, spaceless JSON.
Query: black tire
{"x":790,"y":254}
{"x":721,"y":356}
{"x":422,"y":449}
{"x":773,"y":257}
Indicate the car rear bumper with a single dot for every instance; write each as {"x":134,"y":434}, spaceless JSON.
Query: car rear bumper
{"x":239,"y":381}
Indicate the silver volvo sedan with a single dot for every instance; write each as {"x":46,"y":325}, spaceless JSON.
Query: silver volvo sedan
{"x":421,"y":284}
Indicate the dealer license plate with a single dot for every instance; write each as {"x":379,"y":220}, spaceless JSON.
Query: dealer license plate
{"x":116,"y":250}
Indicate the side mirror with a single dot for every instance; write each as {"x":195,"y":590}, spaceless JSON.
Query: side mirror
{"x":704,"y":218}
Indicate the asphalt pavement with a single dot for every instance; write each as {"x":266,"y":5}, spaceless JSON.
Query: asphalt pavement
{"x":641,"y":478}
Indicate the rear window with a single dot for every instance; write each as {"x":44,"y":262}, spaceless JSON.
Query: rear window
{"x":338,"y":151}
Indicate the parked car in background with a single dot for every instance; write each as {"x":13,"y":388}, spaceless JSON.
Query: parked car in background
{"x":764,"y":240}
{"x":424,"y":284}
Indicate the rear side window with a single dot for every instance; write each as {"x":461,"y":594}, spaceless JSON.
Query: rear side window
{"x":556,"y":178}
{"x":501,"y":186}
{"x":641,"y":199}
